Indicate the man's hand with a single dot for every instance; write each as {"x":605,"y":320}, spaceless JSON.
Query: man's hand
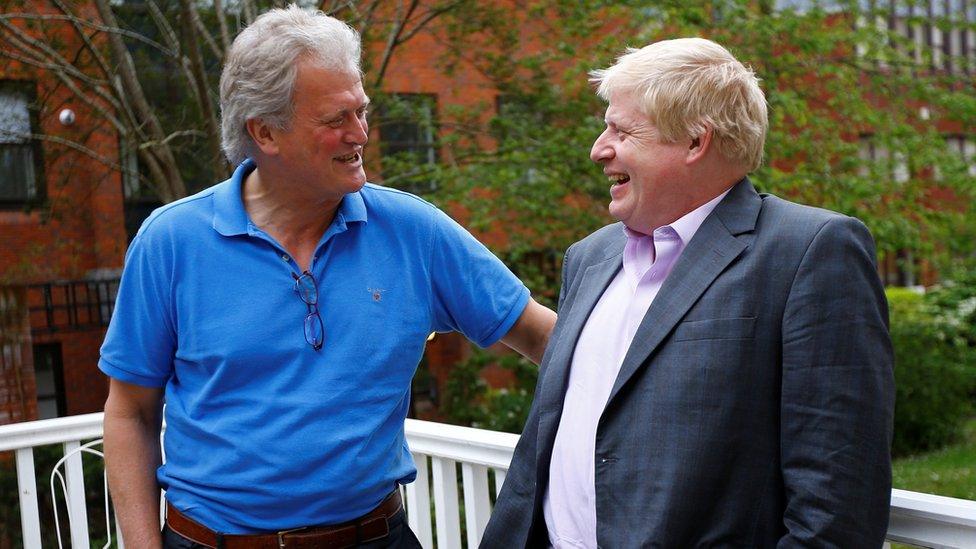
{"x":531,"y":331}
{"x":133,"y":417}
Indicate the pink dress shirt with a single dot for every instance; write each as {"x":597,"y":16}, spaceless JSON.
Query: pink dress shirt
{"x":569,"y":506}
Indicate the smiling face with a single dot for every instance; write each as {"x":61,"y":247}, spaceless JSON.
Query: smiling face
{"x":323,"y":146}
{"x":648,"y":178}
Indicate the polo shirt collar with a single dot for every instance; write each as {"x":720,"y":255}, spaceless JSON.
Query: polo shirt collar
{"x":352,"y":208}
{"x":230,"y":217}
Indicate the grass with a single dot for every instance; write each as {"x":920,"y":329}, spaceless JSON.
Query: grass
{"x":950,"y":471}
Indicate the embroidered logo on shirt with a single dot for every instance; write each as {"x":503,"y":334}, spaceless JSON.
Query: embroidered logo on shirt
{"x":377,"y":293}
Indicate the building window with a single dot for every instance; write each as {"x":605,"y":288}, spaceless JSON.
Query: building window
{"x":900,"y":268}
{"x":937,"y":33}
{"x":515,"y":119}
{"x":49,"y":376}
{"x":965,"y":147}
{"x":407,"y":126}
{"x":20,"y":154}
{"x":879,"y":160}
{"x":408,"y":139}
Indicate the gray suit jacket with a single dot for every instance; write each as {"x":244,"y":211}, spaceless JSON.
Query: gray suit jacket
{"x":754,"y":406}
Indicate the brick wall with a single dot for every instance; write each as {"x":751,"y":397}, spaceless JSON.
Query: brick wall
{"x":17,"y":389}
{"x":85,"y":387}
{"x":78,"y":230}
{"x":81,"y":227}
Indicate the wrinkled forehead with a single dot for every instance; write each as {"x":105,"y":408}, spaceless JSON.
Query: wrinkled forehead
{"x":316,"y":78}
{"x":625,"y":109}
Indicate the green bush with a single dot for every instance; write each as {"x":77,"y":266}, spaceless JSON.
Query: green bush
{"x":955,"y":299}
{"x":934,"y":373}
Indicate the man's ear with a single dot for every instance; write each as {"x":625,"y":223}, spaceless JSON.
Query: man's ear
{"x":700,"y":145}
{"x":263,"y":136}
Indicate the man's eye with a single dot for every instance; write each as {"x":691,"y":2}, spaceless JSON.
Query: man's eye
{"x":361,"y":113}
{"x":334,"y":123}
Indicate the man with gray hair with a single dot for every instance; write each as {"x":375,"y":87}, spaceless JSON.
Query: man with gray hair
{"x":721,"y":371}
{"x":282,"y":314}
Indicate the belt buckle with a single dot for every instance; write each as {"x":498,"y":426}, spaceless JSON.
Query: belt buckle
{"x":283,"y":533}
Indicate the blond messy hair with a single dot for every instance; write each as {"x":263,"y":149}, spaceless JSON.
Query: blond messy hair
{"x":688,"y":84}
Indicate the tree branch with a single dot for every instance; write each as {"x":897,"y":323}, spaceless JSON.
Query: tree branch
{"x":209,"y":40}
{"x":33,"y":59}
{"x":172,"y":136}
{"x":74,"y":145}
{"x":222,"y":24}
{"x":428,"y":17}
{"x":169,"y":35}
{"x":86,"y":23}
{"x":205,"y":105}
{"x":171,"y":180}
{"x":392,"y":42}
{"x":79,"y":29}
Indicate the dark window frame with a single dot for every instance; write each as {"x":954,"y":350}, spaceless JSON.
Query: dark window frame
{"x":28,"y":88}
{"x":55,"y":352}
{"x":427,"y":148}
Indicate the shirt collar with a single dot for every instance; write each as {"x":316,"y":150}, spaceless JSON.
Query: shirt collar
{"x":687,"y":225}
{"x":230,"y":217}
{"x":639,"y":249}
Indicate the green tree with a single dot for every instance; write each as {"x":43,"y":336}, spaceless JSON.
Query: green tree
{"x":150,"y":69}
{"x":859,"y":116}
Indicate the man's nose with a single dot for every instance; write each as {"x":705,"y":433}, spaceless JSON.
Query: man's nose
{"x":600,"y":151}
{"x":358,"y":132}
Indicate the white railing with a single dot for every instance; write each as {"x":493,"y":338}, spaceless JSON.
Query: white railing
{"x":920,"y":519}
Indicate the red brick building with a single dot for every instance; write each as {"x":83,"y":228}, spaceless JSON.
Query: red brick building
{"x":62,"y":236}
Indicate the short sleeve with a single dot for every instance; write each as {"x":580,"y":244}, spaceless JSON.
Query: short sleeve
{"x":474,"y":292}
{"x":140,"y":341}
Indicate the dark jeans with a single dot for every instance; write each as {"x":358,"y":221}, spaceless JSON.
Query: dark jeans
{"x":400,"y":537}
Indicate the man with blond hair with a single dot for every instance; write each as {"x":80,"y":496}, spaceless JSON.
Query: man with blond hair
{"x":282,"y":314}
{"x":721,"y":372}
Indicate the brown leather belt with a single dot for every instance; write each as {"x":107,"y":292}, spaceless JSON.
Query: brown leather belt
{"x":369,"y":527}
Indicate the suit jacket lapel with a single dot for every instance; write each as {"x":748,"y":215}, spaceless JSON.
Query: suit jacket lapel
{"x":595,"y":280}
{"x":710,"y":251}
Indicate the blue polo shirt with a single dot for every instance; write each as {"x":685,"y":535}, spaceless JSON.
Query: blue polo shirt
{"x":263,"y":432}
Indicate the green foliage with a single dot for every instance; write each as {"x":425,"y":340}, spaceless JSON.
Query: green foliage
{"x":955,"y":298}
{"x":467,"y":399}
{"x":835,"y":90}
{"x":935,"y":373}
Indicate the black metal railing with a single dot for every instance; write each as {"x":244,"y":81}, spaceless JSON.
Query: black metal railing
{"x":71,"y":305}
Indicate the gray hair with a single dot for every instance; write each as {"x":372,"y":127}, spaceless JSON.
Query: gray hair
{"x":258,"y":80}
{"x":686,"y":84}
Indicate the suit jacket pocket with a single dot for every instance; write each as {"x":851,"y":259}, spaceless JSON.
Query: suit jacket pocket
{"x":716,"y":328}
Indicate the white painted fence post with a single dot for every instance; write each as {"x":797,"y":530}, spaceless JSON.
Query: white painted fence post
{"x":75,"y":498}
{"x":446,"y":510}
{"x":477,"y":506}
{"x":499,"y":480}
{"x":30,"y":518}
{"x":418,"y":503}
